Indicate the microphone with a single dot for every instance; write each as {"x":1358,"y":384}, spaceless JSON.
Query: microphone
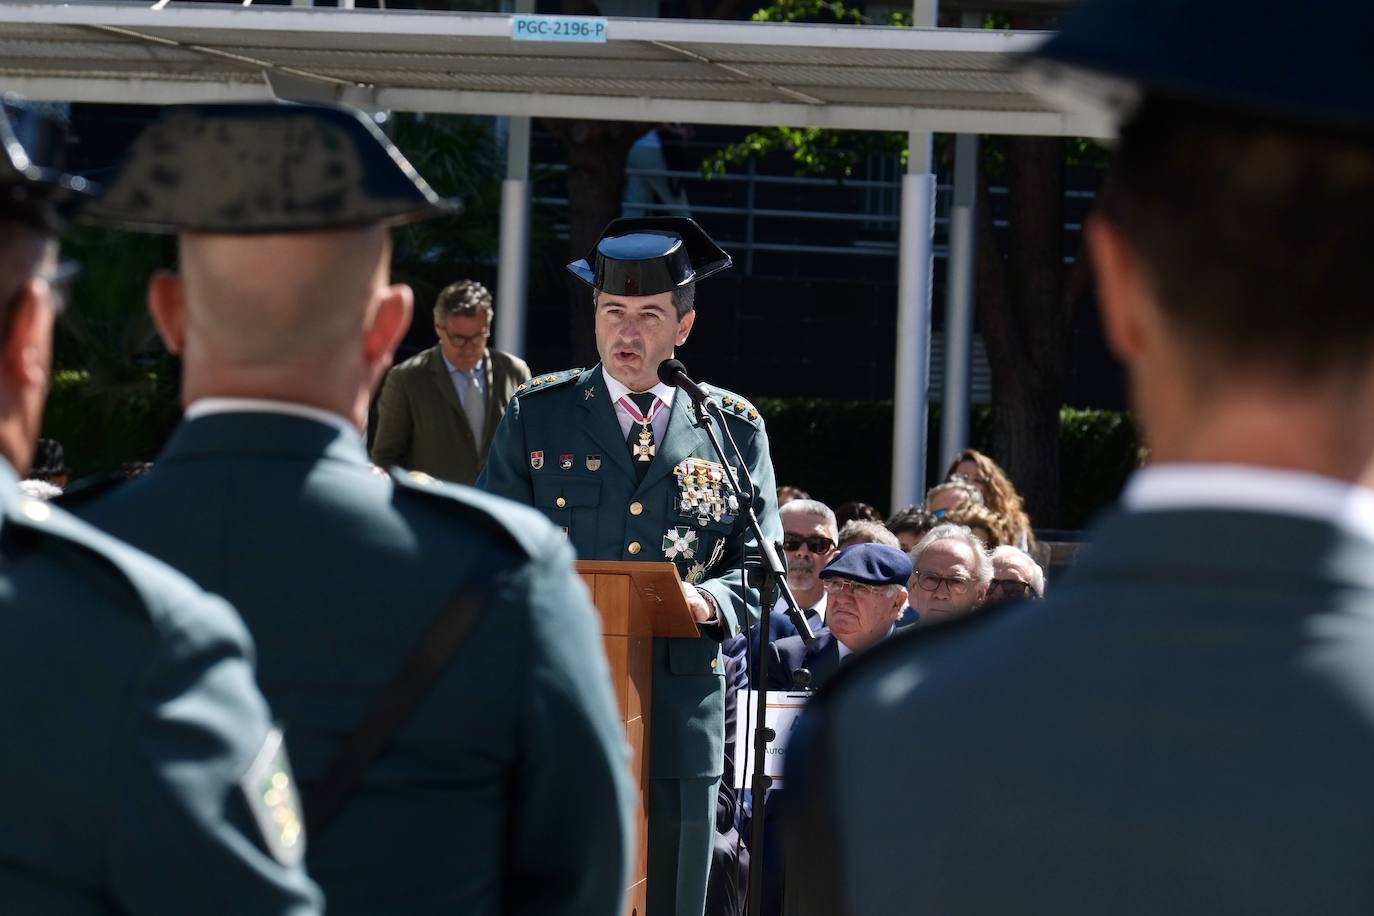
{"x":673,"y":372}
{"x":801,"y":679}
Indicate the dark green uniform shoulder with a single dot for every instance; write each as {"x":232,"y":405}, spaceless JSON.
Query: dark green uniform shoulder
{"x":157,"y":589}
{"x":522,"y":527}
{"x":88,"y":489}
{"x":547,"y":382}
{"x":732,"y":405}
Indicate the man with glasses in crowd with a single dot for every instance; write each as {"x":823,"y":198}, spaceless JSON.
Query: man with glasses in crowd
{"x":438,"y":410}
{"x":1015,"y":576}
{"x":950,"y":574}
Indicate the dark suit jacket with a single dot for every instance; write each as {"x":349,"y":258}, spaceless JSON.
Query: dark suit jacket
{"x":790,"y":654}
{"x":506,"y":790}
{"x":420,"y":421}
{"x":1186,"y":725}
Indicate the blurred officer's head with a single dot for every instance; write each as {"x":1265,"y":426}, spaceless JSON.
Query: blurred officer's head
{"x":1230,"y":241}
{"x":282,"y":216}
{"x":36,"y":197}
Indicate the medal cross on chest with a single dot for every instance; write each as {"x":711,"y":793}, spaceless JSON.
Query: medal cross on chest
{"x":642,"y":408}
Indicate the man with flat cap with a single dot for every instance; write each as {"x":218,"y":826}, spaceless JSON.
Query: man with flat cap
{"x":436,"y":659}
{"x":610,"y":455}
{"x":141,"y":771}
{"x":865,"y":587}
{"x":1187,"y":724}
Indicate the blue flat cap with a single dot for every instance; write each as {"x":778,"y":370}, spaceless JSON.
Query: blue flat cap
{"x":875,"y":564}
{"x":1262,"y":57}
{"x":34,"y":189}
{"x":649,"y":255}
{"x":264,"y":167}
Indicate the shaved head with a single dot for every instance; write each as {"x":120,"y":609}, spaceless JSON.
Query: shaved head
{"x":255,"y":301}
{"x":306,"y":317}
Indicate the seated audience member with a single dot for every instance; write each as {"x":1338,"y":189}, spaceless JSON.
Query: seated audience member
{"x":910,"y":525}
{"x":989,"y":527}
{"x":1015,"y":575}
{"x":808,"y":543}
{"x":787,"y":494}
{"x":951,"y":495}
{"x":999,"y":494}
{"x":861,"y":531}
{"x":950,"y":574}
{"x":848,"y":512}
{"x":866,"y":589}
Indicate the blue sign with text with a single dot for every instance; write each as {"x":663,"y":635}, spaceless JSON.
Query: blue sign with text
{"x":558,"y":28}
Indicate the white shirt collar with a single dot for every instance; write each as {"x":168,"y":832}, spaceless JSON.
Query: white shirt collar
{"x":476,"y":370}
{"x":204,"y":407}
{"x":1253,"y":488}
{"x":617,"y":391}
{"x":818,"y":607}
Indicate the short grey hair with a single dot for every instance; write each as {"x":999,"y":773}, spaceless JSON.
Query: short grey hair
{"x":684,"y":299}
{"x":866,"y":531}
{"x":1011,"y":552}
{"x":809,"y":507}
{"x":982,"y":563}
{"x":466,"y":298}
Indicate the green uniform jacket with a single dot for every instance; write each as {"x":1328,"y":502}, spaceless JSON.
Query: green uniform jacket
{"x":131,"y":726}
{"x":420,"y":421}
{"x":507,"y":791}
{"x":1184,"y":725}
{"x":569,"y":419}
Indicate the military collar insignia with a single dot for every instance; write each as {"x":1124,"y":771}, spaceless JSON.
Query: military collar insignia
{"x":271,"y":795}
{"x":545,"y":382}
{"x":679,"y":543}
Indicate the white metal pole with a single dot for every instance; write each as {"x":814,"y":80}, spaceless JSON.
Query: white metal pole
{"x":513,"y":271}
{"x":915,"y":272}
{"x":959,"y":301}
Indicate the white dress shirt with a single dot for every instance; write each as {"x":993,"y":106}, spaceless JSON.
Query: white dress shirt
{"x":1250,"y":487}
{"x":818,"y":607}
{"x":660,"y":421}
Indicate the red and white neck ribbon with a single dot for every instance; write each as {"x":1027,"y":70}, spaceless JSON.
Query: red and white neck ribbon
{"x":633,"y":410}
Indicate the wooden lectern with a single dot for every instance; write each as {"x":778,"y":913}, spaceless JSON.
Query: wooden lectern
{"x":637,"y":601}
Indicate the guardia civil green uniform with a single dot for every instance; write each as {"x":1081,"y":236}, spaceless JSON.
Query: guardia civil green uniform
{"x":560,"y":449}
{"x":506,"y":790}
{"x":141,"y":771}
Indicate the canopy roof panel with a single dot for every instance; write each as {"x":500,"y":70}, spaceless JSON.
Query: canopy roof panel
{"x":864,"y":78}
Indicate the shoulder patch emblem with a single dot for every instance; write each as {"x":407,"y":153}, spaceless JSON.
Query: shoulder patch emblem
{"x":271,"y":795}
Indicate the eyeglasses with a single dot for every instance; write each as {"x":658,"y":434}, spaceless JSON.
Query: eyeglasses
{"x":459,"y":341}
{"x":818,"y":543}
{"x":1012,"y":588}
{"x":838,"y":586}
{"x":929,"y":582}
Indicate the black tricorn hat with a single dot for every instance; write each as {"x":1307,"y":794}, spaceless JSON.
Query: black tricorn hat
{"x":648,"y":255}
{"x":34,"y":189}
{"x":1267,"y":58}
{"x":264,"y":167}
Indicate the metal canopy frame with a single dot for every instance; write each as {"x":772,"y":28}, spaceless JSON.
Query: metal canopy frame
{"x":745,"y":73}
{"x":915,"y":80}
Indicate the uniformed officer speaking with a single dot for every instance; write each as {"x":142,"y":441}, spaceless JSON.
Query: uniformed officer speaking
{"x":141,"y":772}
{"x":610,"y":455}
{"x":504,"y":787}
